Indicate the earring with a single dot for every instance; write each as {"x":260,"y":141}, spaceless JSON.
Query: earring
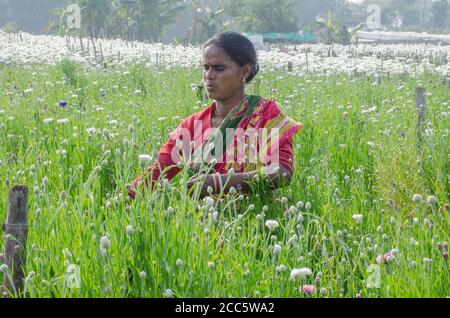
{"x":244,"y":80}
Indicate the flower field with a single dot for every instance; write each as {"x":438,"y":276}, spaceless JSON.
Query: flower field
{"x":366,"y":214}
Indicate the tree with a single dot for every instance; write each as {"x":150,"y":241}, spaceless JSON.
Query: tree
{"x":95,"y":15}
{"x":207,"y":21}
{"x":262,"y":15}
{"x":149,"y":18}
{"x":330,"y":33}
{"x":439,"y":12}
{"x":136,"y":19}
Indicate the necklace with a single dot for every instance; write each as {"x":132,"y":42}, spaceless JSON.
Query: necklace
{"x":231,"y":111}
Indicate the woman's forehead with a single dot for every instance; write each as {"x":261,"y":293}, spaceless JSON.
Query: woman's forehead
{"x":214,"y":54}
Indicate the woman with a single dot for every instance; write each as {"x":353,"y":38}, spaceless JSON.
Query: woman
{"x":234,"y":139}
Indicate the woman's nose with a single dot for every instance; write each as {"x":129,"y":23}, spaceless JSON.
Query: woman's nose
{"x":209,"y":74}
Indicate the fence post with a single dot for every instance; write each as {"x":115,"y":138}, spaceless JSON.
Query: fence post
{"x":16,"y":232}
{"x":420,"y":106}
{"x":290,"y":66}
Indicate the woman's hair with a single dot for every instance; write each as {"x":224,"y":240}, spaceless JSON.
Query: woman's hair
{"x":239,"y":48}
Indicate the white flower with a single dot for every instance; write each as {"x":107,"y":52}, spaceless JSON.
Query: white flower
{"x":63,"y":121}
{"x":358,"y":218}
{"x":48,"y":121}
{"x":91,"y":131}
{"x":179,"y":263}
{"x":293,"y":239}
{"x":129,"y":229}
{"x":395,"y":251}
{"x":281,"y":269}
{"x":431,"y":200}
{"x":308,"y":206}
{"x":169,"y":293}
{"x":105,"y":242}
{"x":3,"y":268}
{"x":145,"y":159}
{"x":209,"y":202}
{"x":277,"y":250}
{"x":417,"y":198}
{"x":169,"y":211}
{"x":301,"y":273}
{"x":143,"y":275}
{"x":427,"y":260}
{"x":272,"y":224}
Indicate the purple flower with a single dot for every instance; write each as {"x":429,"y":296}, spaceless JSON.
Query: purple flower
{"x":403,"y":134}
{"x":102,"y":93}
{"x":387,"y":258}
{"x":63,"y":103}
{"x":309,"y":289}
{"x":443,"y":246}
{"x":445,"y":255}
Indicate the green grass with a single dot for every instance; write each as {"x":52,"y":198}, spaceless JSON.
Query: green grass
{"x":337,"y":171}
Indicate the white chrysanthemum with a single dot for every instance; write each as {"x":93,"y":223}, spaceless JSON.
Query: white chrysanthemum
{"x":145,"y":159}
{"x":48,"y":121}
{"x":358,"y":218}
{"x":91,"y":131}
{"x":272,"y":224}
{"x":105,"y":242}
{"x":301,"y":273}
{"x":129,"y":229}
{"x":169,"y":293}
{"x":417,"y":198}
{"x":63,"y":121}
{"x":277,"y":250}
{"x":209,"y":202}
{"x":3,"y":268}
{"x":431,"y":200}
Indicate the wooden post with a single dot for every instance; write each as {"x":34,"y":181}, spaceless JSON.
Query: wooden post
{"x":16,"y":232}
{"x":101,"y":53}
{"x":81,"y":44}
{"x":95,"y":50}
{"x":420,"y":105}
{"x":289,"y":66}
{"x":307,"y":62}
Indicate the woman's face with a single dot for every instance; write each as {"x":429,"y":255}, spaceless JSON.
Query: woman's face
{"x":222,"y":76}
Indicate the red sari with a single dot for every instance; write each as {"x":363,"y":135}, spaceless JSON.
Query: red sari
{"x":265,"y":114}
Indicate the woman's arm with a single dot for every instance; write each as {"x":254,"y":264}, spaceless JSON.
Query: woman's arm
{"x":274,"y":178}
